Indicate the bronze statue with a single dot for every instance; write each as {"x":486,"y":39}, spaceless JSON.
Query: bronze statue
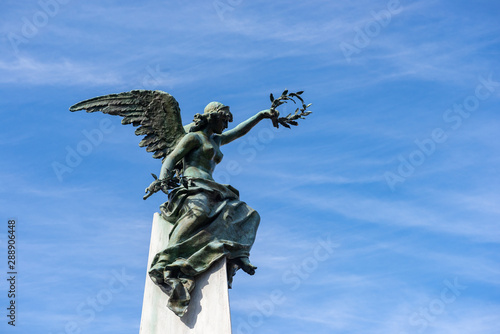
{"x":209,"y":220}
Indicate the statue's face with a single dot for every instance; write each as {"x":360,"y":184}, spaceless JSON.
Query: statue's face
{"x":220,"y":123}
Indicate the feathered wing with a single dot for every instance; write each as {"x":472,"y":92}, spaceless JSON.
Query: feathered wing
{"x":156,"y":114}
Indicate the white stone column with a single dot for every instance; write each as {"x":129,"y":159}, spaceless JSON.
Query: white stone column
{"x":208,"y":311}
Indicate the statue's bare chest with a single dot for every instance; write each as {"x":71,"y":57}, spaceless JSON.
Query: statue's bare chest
{"x":211,"y":150}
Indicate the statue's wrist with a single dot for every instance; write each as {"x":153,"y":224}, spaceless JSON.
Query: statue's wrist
{"x":263,"y":114}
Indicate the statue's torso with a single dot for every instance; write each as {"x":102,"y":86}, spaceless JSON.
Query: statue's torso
{"x":201,"y":161}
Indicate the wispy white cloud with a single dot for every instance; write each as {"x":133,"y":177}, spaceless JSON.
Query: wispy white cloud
{"x":64,"y":72}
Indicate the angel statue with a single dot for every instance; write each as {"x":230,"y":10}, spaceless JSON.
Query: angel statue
{"x":209,"y":220}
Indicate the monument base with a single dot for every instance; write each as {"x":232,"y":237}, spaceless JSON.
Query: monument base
{"x":208,"y":311}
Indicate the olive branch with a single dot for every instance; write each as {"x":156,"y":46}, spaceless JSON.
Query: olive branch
{"x":174,"y":180}
{"x":290,"y":119}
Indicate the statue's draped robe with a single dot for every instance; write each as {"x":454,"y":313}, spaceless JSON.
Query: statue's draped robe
{"x":209,"y":222}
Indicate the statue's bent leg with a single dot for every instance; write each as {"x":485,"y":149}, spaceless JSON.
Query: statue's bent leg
{"x":194,"y":218}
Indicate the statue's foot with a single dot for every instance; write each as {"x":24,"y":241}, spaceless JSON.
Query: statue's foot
{"x":244,"y":263}
{"x":232,"y":268}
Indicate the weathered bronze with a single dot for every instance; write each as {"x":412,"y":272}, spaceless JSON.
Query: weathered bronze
{"x":209,"y":220}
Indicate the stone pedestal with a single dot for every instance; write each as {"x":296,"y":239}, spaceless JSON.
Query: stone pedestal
{"x":208,"y":311}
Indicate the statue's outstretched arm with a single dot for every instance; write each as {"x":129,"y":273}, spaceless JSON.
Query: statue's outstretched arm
{"x":244,"y":127}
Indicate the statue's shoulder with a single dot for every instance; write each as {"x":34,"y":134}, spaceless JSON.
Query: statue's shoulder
{"x":192,"y":139}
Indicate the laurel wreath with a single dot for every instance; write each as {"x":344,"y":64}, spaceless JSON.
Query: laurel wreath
{"x":290,"y":119}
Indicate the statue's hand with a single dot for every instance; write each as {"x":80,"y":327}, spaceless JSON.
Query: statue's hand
{"x":272,"y":113}
{"x":269,"y":113}
{"x":169,"y":182}
{"x":154,"y":187}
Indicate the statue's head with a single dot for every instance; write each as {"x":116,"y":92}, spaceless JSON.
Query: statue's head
{"x":215,"y":107}
{"x":215,"y":115}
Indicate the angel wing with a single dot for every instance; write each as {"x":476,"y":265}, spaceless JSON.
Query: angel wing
{"x":156,"y":114}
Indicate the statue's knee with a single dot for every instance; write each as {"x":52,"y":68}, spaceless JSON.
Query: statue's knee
{"x":198,"y":213}
{"x":256,"y":216}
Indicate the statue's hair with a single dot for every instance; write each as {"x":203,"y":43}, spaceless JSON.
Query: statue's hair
{"x":211,"y":110}
{"x":200,"y":122}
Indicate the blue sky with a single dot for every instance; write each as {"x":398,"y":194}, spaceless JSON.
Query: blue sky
{"x":379,"y":212}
